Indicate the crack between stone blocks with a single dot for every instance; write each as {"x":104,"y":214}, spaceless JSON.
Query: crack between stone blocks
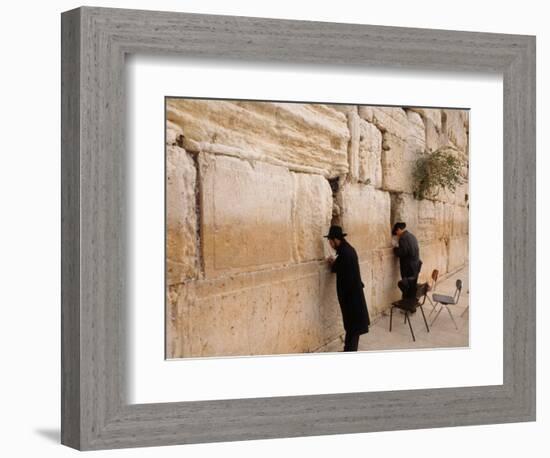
{"x":199,"y":259}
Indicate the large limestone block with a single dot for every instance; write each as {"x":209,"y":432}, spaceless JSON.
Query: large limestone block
{"x":388,"y":119}
{"x":246,"y":214}
{"x":396,"y":166}
{"x":380,"y":274}
{"x":311,"y":216}
{"x":455,"y":128}
{"x":365,"y":151}
{"x":431,"y":114}
{"x":404,"y":139}
{"x":366,"y":216}
{"x":416,"y":135}
{"x":461,"y":221}
{"x":268,"y":312}
{"x":434,"y":256}
{"x":435,"y":138}
{"x":303,"y":137}
{"x":435,"y":220}
{"x":429,"y":220}
{"x":331,"y":316}
{"x":178,"y":300}
{"x":458,"y":253}
{"x":181,"y":216}
{"x":404,"y":208}
{"x":370,"y":154}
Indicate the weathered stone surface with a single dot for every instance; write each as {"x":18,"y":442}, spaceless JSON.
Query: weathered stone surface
{"x":366,"y":216}
{"x":404,"y":139}
{"x":404,"y":208}
{"x":364,"y":151}
{"x":380,"y":274}
{"x":346,"y":109}
{"x":246,"y":214}
{"x":431,"y":114}
{"x":434,"y":256}
{"x":434,"y":137}
{"x":428,"y":219}
{"x":455,"y":129}
{"x":311,"y":216}
{"x":179,"y":299}
{"x":303,"y":137}
{"x":268,"y":312}
{"x":253,"y":280}
{"x":458,"y":253}
{"x":396,"y":167}
{"x":366,"y":112}
{"x":173,"y":131}
{"x":416,"y":137}
{"x":331,"y":316}
{"x":353,"y":146}
{"x":370,"y":154}
{"x":460,"y":220}
{"x":388,"y":119}
{"x":181,"y":216}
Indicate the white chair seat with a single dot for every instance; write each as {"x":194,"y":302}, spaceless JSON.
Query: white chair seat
{"x":443,"y":299}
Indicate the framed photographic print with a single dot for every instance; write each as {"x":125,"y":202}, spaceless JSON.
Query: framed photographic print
{"x":277,"y":228}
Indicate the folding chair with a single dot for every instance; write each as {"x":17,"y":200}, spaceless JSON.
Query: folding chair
{"x":445,"y":301}
{"x":435,"y":276}
{"x":409,"y":306}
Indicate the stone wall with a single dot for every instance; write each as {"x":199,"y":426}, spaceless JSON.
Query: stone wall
{"x":251,"y":187}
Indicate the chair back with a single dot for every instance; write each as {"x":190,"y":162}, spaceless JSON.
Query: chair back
{"x":458,"y":290}
{"x":422,"y":292}
{"x":435,"y":276}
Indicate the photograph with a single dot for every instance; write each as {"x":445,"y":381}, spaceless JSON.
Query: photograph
{"x":302,"y":227}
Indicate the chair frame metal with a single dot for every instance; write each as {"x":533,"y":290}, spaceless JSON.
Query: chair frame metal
{"x":456,"y":297}
{"x":422,"y":287}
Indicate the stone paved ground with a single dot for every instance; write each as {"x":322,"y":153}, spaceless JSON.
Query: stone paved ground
{"x":442,"y":334}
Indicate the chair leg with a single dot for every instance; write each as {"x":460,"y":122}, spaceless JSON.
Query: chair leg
{"x":436,"y":315}
{"x":432,"y":304}
{"x":434,"y":307}
{"x":391,"y":316}
{"x":424,"y":316}
{"x":410,"y":326}
{"x":464,"y":311}
{"x":452,"y":317}
{"x":405,"y":320}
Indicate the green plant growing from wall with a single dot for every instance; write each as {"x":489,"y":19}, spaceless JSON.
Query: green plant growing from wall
{"x":439,"y":170}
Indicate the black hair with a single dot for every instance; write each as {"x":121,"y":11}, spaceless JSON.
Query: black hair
{"x":399,"y":225}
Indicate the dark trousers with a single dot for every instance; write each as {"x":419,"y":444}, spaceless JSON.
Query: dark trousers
{"x":407,"y":286}
{"x":351,"y":342}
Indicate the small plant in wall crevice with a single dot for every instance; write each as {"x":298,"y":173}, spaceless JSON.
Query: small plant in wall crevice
{"x":439,"y":170}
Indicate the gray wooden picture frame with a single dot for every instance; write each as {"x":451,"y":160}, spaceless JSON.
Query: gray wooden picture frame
{"x":95,"y":411}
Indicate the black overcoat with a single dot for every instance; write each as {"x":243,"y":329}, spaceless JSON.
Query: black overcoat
{"x":409,"y":255}
{"x":349,"y":288}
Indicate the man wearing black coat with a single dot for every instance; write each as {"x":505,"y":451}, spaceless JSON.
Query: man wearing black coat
{"x":410,"y":264}
{"x":349,"y":288}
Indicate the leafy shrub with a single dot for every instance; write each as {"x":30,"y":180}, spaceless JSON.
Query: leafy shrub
{"x":439,"y":170}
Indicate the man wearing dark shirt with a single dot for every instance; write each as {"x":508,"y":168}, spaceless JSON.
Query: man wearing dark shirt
{"x":349,"y":288}
{"x":409,"y":260}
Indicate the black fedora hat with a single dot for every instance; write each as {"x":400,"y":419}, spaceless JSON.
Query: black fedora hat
{"x":335,"y":232}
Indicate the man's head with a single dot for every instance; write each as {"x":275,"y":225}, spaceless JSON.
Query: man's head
{"x":335,"y":236}
{"x":398,"y":229}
